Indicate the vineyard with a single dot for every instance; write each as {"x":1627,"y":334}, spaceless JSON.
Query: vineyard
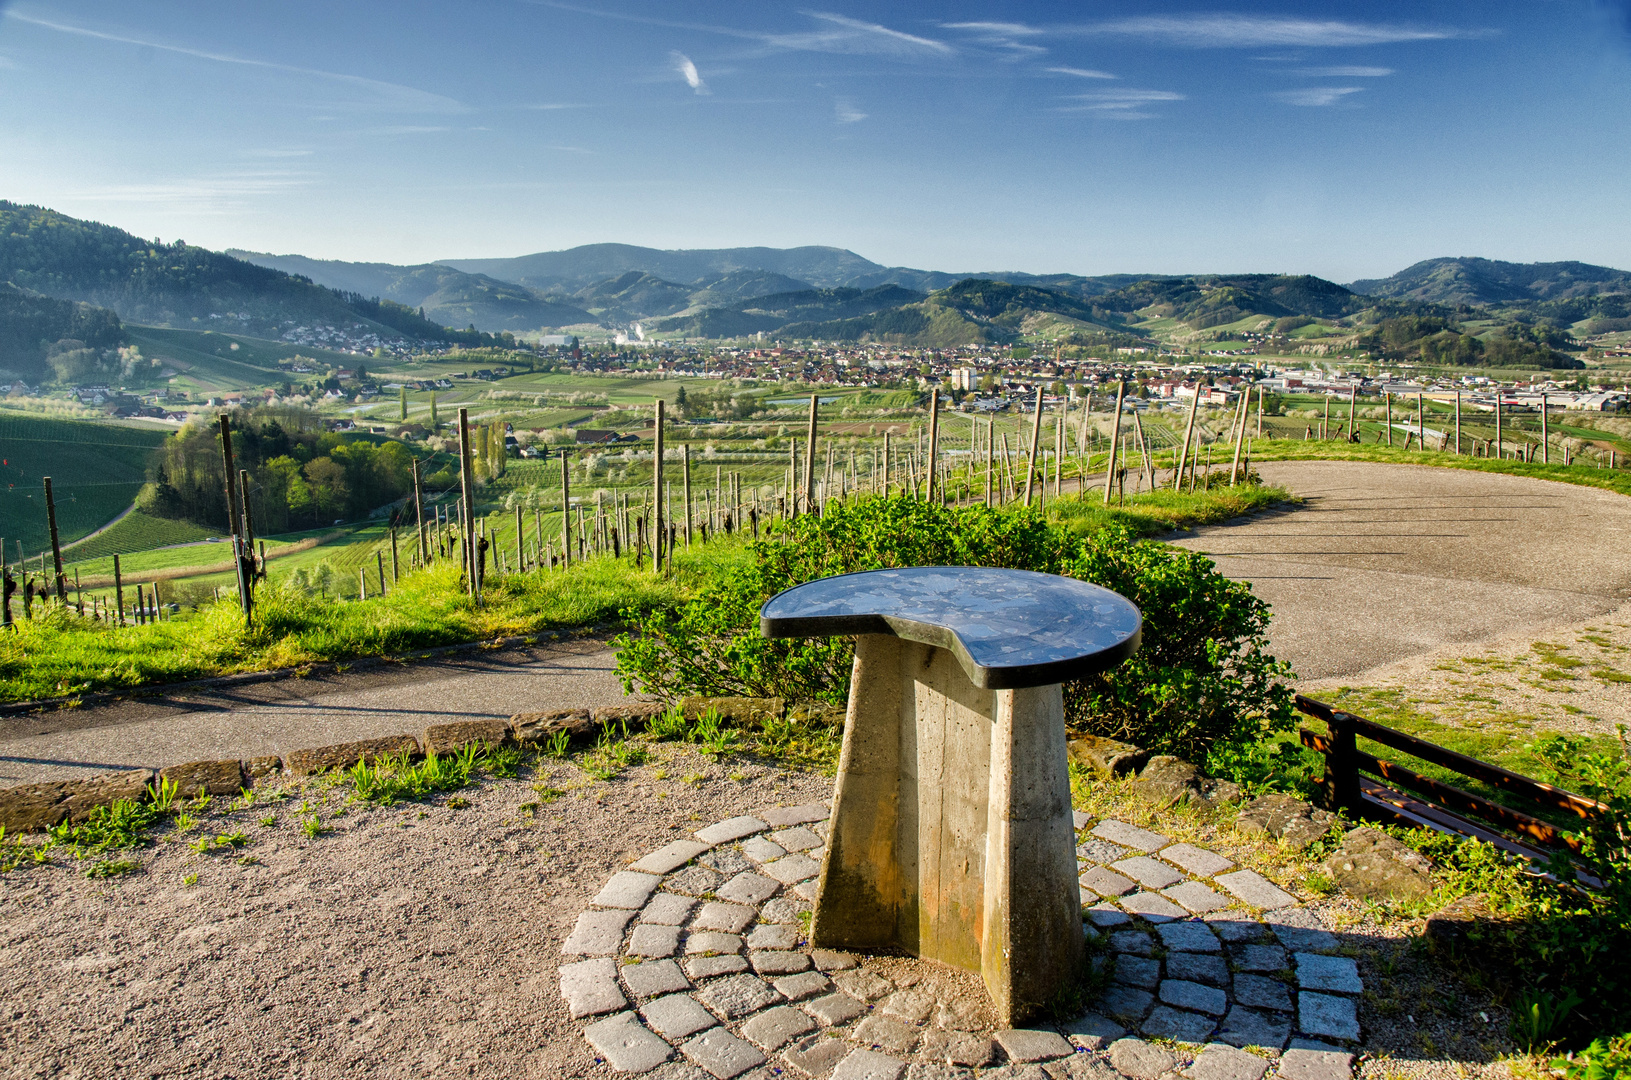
{"x":135,"y":531}
{"x":95,"y":469}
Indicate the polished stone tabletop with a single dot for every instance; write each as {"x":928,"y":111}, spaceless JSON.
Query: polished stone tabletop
{"x":1008,"y":628}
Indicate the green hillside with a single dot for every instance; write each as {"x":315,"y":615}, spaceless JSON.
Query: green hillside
{"x":1491,"y":282}
{"x":42,"y":338}
{"x":209,"y":363}
{"x":95,"y":469}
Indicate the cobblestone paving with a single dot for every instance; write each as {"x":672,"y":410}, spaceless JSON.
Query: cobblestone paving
{"x":695,"y":963}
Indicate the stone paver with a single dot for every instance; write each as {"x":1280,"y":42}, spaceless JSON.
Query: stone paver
{"x":776,"y":1027}
{"x":886,"y":1034}
{"x":676,"y":1016}
{"x":726,"y":918}
{"x":653,"y":978}
{"x":1119,"y":832}
{"x":816,"y":1055}
{"x":626,"y":1046}
{"x":797,"y":839}
{"x":1219,"y":1062}
{"x":833,"y":1009}
{"x":1165,"y":1022}
{"x":597,"y":933}
{"x":1166,"y":933}
{"x":1253,"y":888}
{"x":869,"y":1065}
{"x":1033,"y":1044}
{"x":784,"y":817}
{"x":792,"y":868}
{"x":805,"y":985}
{"x":1300,"y":1064}
{"x":1299,"y":931}
{"x":670,"y":857}
{"x":1208,"y":968}
{"x":1261,"y":992}
{"x":1248,"y":1027}
{"x":654,"y":941}
{"x":1196,"y":860}
{"x":1153,"y":906}
{"x":1148,"y":872}
{"x":1327,"y":1015}
{"x":1338,"y":974}
{"x":1261,"y":958}
{"x":748,"y":888}
{"x":738,"y":996}
{"x":627,"y":889}
{"x":731,"y":829}
{"x":1107,"y":883}
{"x":773,"y":936}
{"x":778,"y":961}
{"x":667,"y":909}
{"x":722,"y":1054}
{"x":1189,"y":937}
{"x":1140,"y":1060}
{"x":590,"y":987}
{"x":762,"y":849}
{"x":1195,"y":997}
{"x":709,"y":941}
{"x":1196,"y":897}
{"x":708,"y":967}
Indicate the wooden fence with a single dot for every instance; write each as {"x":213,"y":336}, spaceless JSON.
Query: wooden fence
{"x":1368,"y":787}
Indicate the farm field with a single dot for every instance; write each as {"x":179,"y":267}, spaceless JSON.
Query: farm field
{"x":213,"y":362}
{"x":95,"y":469}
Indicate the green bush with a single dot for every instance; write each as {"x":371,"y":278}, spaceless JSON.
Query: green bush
{"x":1201,"y":677}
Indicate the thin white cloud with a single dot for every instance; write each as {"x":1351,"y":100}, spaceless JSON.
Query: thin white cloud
{"x":1083,"y":73}
{"x":1006,"y":36}
{"x":1317,"y":95}
{"x":1228,"y":31}
{"x":273,"y":152}
{"x":839,"y":34}
{"x":1119,"y":104}
{"x":410,"y":129}
{"x":1345,"y":71}
{"x":688,"y":72}
{"x":383,"y":95}
{"x":846,"y":113}
{"x":217,"y":194}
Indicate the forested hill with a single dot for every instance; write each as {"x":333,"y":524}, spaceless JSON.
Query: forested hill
{"x":1490,"y":282}
{"x":175,"y":283}
{"x":43,"y":338}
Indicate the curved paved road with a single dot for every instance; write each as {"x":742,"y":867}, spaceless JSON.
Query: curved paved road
{"x":1385,"y":561}
{"x":1381,"y":562}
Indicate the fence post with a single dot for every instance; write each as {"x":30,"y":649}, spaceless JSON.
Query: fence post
{"x":1341,"y":766}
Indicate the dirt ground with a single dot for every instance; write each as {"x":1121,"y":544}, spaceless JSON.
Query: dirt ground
{"x":411,"y":941}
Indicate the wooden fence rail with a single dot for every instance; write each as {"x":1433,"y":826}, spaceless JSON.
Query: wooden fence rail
{"x":1354,"y":782}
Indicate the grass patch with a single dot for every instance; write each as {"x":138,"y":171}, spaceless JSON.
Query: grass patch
{"x":1153,"y":513}
{"x":1617,"y":480}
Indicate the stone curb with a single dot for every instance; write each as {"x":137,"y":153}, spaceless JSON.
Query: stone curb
{"x":323,"y":667}
{"x":44,"y":805}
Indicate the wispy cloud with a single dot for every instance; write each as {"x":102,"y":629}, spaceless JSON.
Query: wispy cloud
{"x":1083,"y":73}
{"x":1009,"y":37}
{"x":222,"y":193}
{"x":688,"y":72}
{"x":846,"y":113}
{"x":1317,"y":95}
{"x":1256,"y":31}
{"x":275,"y":152}
{"x":409,"y":129}
{"x":380,"y":95}
{"x":1345,"y":71}
{"x":835,"y":34}
{"x":1119,"y":104}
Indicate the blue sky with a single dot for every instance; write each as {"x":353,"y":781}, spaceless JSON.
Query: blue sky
{"x":1342,"y":139}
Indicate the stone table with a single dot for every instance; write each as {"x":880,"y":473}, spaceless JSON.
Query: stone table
{"x":952,"y":836}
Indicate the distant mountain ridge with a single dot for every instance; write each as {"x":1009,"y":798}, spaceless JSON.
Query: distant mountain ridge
{"x":1491,"y":282}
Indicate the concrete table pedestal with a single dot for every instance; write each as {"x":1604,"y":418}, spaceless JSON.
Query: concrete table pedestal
{"x":952,"y":835}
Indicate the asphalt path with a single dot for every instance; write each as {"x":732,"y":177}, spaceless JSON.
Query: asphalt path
{"x":293,"y":714}
{"x":1380,"y":562}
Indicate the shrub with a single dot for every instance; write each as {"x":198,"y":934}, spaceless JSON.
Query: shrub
{"x":1201,"y":677}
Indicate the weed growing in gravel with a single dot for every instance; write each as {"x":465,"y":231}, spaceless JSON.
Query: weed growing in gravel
{"x":245,"y":799}
{"x":185,"y":823}
{"x":107,"y":868}
{"x":269,"y":821}
{"x":559,"y":744}
{"x":312,"y":827}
